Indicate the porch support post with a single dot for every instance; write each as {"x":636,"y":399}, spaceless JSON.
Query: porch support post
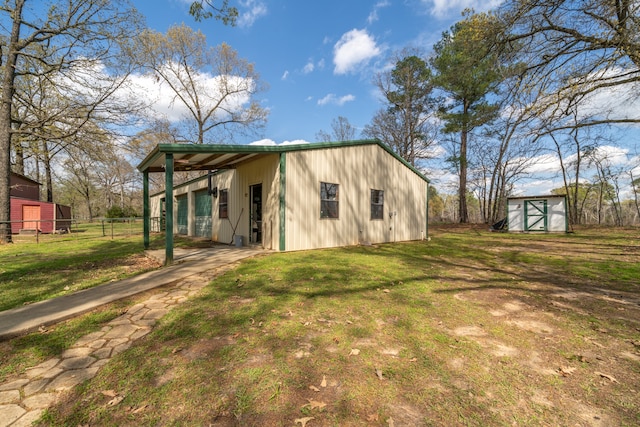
{"x":168,"y":194}
{"x":145,"y":209}
{"x":283,"y":204}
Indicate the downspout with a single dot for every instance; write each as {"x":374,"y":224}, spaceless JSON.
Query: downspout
{"x":168,"y":172}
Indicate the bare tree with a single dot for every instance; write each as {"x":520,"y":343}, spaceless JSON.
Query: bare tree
{"x":587,"y":46}
{"x":56,"y":41}
{"x":215,"y":87}
{"x":341,"y":130}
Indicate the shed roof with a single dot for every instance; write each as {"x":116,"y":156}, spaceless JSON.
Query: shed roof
{"x":25,"y":178}
{"x":548,"y":196}
{"x":191,"y":157}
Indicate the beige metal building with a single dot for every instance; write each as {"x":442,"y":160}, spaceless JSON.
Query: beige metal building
{"x":290,"y":197}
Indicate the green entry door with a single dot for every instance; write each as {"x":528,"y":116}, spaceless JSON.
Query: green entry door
{"x":535,"y":215}
{"x":203,"y":214}
{"x":183,"y":214}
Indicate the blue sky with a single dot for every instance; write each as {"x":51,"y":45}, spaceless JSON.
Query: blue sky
{"x":318,"y":57}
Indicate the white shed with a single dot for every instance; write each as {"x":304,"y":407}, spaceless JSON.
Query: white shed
{"x":537,"y":214}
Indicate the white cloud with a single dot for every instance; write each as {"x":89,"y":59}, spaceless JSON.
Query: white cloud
{"x":308,"y":68}
{"x":254,"y":10}
{"x":285,"y":75}
{"x":295,"y":142}
{"x":354,"y":48}
{"x":445,"y":8}
{"x":333,"y":99}
{"x":160,"y":96}
{"x":617,"y":102}
{"x":265,"y":141}
{"x":373,"y":16}
{"x":271,"y":142}
{"x":165,"y":104}
{"x":545,"y":163}
{"x":536,"y":187}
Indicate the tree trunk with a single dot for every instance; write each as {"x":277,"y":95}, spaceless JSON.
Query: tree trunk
{"x":46,"y":160}
{"x":463,"y":213}
{"x":19,"y":166}
{"x":462,"y":190}
{"x":6,"y":100}
{"x":635,"y":187}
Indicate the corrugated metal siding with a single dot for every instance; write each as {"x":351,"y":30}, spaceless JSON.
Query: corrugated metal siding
{"x":263,"y":171}
{"x":222,"y":228}
{"x":357,"y":170}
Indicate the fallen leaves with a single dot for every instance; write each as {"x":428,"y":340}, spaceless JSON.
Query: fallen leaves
{"x":303,"y":421}
{"x":565,"y":371}
{"x":609,"y":377}
{"x":116,"y":398}
{"x":314,"y":404}
{"x":354,"y":352}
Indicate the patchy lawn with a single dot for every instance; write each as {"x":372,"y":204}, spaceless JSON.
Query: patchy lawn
{"x":470,"y":328}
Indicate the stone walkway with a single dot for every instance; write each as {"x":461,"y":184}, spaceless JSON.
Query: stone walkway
{"x":23,"y":400}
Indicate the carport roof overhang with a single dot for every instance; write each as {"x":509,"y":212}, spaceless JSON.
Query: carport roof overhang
{"x":191,"y":157}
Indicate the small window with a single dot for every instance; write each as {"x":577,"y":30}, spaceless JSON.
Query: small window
{"x":223,"y":204}
{"x":377,"y":204}
{"x":328,"y":200}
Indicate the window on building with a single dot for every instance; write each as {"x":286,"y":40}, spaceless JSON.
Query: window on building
{"x":223,"y":204}
{"x":377,"y":204}
{"x":328,"y":200}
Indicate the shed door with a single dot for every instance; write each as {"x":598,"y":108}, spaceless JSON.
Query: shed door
{"x":203,"y":214}
{"x":30,"y":216}
{"x":183,"y":214}
{"x":535,"y":215}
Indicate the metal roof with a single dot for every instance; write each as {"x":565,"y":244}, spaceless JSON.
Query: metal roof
{"x":191,"y":157}
{"x":547,"y":196}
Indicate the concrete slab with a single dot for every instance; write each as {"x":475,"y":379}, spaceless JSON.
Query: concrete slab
{"x":187,"y":262}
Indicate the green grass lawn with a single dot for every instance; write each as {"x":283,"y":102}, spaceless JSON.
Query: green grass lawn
{"x":33,"y":271}
{"x":471,"y":328}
